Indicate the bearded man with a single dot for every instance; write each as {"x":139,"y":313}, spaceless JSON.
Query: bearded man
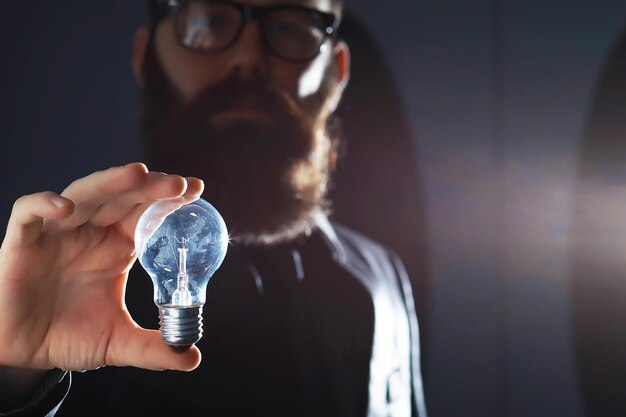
{"x":305,"y":317}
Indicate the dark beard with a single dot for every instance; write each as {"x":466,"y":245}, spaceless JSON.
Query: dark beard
{"x":267,"y":180}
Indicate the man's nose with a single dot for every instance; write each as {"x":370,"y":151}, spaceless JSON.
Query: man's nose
{"x":249,"y":56}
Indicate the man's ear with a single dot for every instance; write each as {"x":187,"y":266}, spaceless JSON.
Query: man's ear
{"x":140,"y":46}
{"x":341,"y":55}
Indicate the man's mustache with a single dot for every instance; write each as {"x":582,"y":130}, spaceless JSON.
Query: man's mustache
{"x":229,"y":93}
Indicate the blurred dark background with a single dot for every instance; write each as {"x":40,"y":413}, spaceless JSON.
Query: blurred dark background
{"x":466,"y":127}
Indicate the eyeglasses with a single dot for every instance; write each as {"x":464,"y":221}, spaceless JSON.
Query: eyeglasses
{"x":291,"y":32}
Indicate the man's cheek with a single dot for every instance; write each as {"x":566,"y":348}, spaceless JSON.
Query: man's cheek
{"x":312,"y":79}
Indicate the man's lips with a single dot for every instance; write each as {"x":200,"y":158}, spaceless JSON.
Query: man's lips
{"x":249,"y":109}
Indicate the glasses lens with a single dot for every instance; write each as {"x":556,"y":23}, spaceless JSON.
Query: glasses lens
{"x":207,"y":26}
{"x":294,"y":34}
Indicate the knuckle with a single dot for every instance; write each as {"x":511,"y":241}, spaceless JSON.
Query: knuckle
{"x":21,"y":202}
{"x":137,"y":173}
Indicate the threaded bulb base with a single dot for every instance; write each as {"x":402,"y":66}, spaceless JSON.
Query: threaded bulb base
{"x":180,"y":326}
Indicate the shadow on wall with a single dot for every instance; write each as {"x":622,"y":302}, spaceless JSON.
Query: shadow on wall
{"x":377,"y":189}
{"x":598,"y":275}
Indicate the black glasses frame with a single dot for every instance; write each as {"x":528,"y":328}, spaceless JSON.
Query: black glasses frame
{"x":248,"y":12}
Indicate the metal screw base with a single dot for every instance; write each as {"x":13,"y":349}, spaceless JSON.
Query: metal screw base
{"x":181,"y":326}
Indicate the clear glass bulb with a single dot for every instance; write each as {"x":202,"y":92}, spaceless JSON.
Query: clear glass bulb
{"x":181,"y":245}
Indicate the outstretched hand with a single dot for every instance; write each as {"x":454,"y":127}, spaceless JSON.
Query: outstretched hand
{"x":65,"y":261}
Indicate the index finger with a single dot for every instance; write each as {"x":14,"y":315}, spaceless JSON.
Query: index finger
{"x":98,"y":187}
{"x":91,"y":192}
{"x":195,"y":187}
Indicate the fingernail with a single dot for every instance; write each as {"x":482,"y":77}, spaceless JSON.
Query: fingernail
{"x":57,"y":201}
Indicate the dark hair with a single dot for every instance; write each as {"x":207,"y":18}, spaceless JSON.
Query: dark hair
{"x":377,"y":163}
{"x":597,"y":279}
{"x":153,"y":5}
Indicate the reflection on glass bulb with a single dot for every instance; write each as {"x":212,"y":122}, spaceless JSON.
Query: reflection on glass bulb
{"x":181,"y":245}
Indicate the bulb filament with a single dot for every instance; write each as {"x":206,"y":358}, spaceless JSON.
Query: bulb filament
{"x":182,"y":296}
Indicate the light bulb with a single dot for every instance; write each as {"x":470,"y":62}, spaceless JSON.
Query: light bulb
{"x":181,"y":245}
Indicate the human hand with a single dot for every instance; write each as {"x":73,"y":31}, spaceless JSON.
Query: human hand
{"x":65,"y":261}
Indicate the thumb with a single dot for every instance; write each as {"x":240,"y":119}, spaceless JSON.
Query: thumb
{"x":133,"y":346}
